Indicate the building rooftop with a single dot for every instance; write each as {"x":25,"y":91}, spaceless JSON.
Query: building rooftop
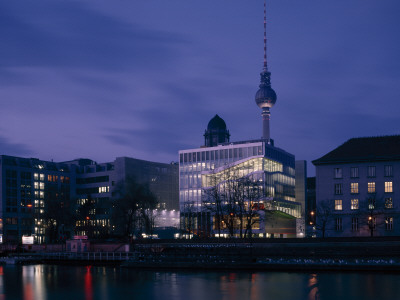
{"x":364,"y":149}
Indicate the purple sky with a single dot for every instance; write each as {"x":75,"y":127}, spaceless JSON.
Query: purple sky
{"x":101,"y":79}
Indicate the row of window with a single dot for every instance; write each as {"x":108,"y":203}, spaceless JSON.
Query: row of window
{"x":371,"y":223}
{"x":355,"y":203}
{"x":354,"y":187}
{"x":242,"y":152}
{"x":371,"y":171}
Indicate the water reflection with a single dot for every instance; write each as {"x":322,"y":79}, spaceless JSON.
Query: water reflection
{"x":87,"y":283}
{"x":33,"y":283}
{"x":2,"y":295}
{"x":313,"y":293}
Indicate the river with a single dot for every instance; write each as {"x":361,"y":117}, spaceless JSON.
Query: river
{"x":47,"y":282}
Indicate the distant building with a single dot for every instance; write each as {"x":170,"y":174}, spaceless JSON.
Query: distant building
{"x":358,"y":188}
{"x":27,"y":186}
{"x":30,"y":189}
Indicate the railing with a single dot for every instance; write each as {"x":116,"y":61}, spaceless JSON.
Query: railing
{"x":88,"y":256}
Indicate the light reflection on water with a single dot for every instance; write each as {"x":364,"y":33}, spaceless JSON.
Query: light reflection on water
{"x":49,"y":282}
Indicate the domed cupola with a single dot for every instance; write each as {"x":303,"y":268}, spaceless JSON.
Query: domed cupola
{"x":216,"y":132}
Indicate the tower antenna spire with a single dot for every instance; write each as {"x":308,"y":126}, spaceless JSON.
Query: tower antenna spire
{"x":265,"y":96}
{"x":265,"y":36}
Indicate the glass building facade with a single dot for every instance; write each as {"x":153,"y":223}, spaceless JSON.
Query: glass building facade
{"x":271,"y":168}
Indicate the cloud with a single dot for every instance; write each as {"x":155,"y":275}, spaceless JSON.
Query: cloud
{"x":9,"y":148}
{"x":69,"y":34}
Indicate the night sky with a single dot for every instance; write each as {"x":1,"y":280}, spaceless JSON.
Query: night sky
{"x":101,"y":79}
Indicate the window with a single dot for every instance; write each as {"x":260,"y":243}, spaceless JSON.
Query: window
{"x":104,"y":189}
{"x":354,"y":204}
{"x":389,"y":202}
{"x":371,"y":187}
{"x":388,"y":187}
{"x":338,"y":205}
{"x":338,"y":224}
{"x":354,"y":188}
{"x":354,"y":172}
{"x":389,"y":223}
{"x":338,"y":189}
{"x":354,"y":224}
{"x":371,"y":203}
{"x":371,"y":171}
{"x":338,"y":172}
{"x":388,"y":171}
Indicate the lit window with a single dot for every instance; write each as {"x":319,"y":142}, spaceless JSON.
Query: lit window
{"x":354,"y":224}
{"x":41,"y":177}
{"x":389,"y":223}
{"x":338,"y":189}
{"x":104,"y":189}
{"x":388,"y":171}
{"x":354,"y":172}
{"x":338,"y":226}
{"x":389,"y":202}
{"x":338,"y":172}
{"x":41,"y":185}
{"x":36,"y":185}
{"x":338,"y":205}
{"x":36,"y":176}
{"x":371,"y":203}
{"x":354,"y":204}
{"x":388,"y":187}
{"x":354,"y":187}
{"x":371,"y":171}
{"x":371,"y":187}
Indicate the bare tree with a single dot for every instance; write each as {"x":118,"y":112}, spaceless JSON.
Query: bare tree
{"x":324,"y":214}
{"x":57,"y":214}
{"x":189,"y":214}
{"x":370,"y":214}
{"x":233,"y":197}
{"x":132,"y":206}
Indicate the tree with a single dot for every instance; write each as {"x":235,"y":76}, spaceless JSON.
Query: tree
{"x":189,"y":214}
{"x":323,"y":216}
{"x":370,"y":214}
{"x":58,"y":213}
{"x":133,"y":207}
{"x":249,"y":205}
{"x":233,"y":197}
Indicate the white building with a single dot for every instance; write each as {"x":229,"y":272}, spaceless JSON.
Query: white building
{"x":358,"y":188}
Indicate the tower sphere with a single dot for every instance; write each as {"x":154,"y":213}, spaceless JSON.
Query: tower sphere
{"x":265,"y":96}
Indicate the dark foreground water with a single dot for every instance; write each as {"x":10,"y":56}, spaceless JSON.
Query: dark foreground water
{"x":89,"y":283}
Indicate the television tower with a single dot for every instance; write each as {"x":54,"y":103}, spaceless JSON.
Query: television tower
{"x":265,"y":96}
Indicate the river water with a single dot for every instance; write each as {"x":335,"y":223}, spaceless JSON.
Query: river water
{"x":91,"y":283}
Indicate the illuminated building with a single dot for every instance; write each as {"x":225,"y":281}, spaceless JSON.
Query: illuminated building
{"x":32,"y":189}
{"x":27,"y":184}
{"x":233,"y":167}
{"x":358,"y":188}
{"x":272,"y":168}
